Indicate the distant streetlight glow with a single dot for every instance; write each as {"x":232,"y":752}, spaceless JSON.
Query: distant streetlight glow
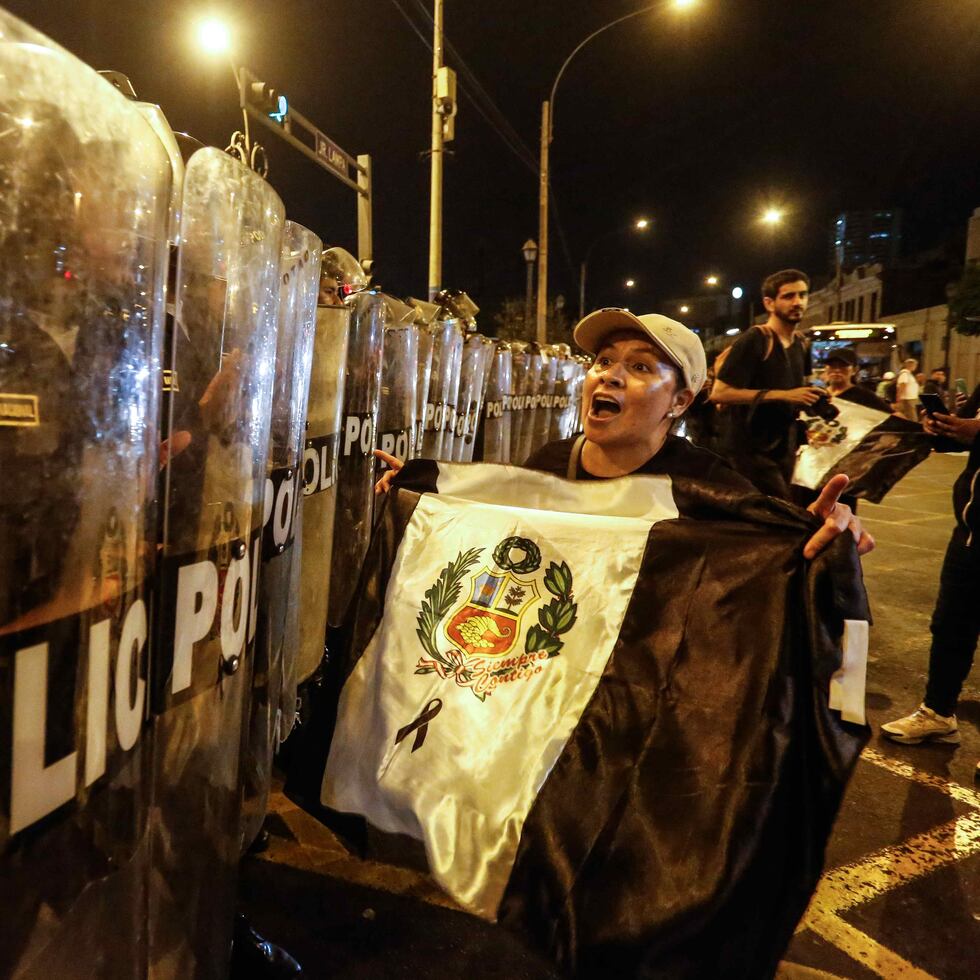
{"x":731,"y":331}
{"x":772,"y":216}
{"x":213,"y":36}
{"x":684,"y":4}
{"x":685,"y":309}
{"x":711,"y":281}
{"x":630,"y":283}
{"x":737,"y":292}
{"x":642,"y":224}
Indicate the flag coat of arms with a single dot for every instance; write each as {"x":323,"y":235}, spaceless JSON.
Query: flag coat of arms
{"x":874,"y":449}
{"x":603,"y":709}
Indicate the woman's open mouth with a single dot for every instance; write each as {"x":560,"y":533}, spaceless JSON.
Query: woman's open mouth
{"x":603,"y":407}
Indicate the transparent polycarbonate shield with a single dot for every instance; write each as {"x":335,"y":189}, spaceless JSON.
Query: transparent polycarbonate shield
{"x":530,"y":388}
{"x":497,"y":407}
{"x":526,"y":366}
{"x":399,"y":377}
{"x":355,"y":467}
{"x":573,"y":423}
{"x":543,"y":400}
{"x":316,"y":517}
{"x":477,"y":352}
{"x":83,"y":252}
{"x":223,"y":370}
{"x":447,"y":354}
{"x":153,"y":114}
{"x":423,"y":378}
{"x":452,"y":393}
{"x":564,"y":375}
{"x":274,"y":665}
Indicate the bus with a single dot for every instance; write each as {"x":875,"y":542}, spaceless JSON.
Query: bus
{"x":875,"y":346}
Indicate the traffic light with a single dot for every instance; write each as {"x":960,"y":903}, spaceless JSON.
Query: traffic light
{"x":268,"y":100}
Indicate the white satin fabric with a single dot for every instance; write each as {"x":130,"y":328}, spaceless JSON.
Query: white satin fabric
{"x":466,"y":792}
{"x":814,"y":460}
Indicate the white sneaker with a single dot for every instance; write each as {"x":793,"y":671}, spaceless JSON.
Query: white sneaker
{"x":921,"y":726}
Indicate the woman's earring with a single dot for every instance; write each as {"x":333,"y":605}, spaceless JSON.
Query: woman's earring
{"x":671,"y":414}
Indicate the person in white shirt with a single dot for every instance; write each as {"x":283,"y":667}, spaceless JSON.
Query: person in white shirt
{"x":908,"y":390}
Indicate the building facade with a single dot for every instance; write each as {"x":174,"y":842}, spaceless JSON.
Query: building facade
{"x":865,"y":238}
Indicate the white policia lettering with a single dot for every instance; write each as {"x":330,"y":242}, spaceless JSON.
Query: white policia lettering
{"x":358,"y":433}
{"x":37,"y":788}
{"x":317,"y":472}
{"x":280,"y":507}
{"x":395,"y":443}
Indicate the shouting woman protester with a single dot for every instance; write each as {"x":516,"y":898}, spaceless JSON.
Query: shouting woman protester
{"x":691,"y":723}
{"x":647,"y":372}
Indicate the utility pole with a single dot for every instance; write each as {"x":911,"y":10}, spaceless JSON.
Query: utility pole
{"x":435,"y":194}
{"x":542,"y":318}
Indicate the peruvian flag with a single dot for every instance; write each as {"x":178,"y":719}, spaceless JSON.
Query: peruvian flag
{"x":618,"y":716}
{"x":873,"y":448}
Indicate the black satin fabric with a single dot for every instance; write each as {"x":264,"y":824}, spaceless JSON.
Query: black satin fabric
{"x":883,"y":457}
{"x":682,"y":831}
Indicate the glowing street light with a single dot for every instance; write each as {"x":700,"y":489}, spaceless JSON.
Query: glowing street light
{"x":547,"y":137}
{"x":640,"y":224}
{"x":213,"y":36}
{"x":737,"y":292}
{"x":630,"y":283}
{"x":685,"y":309}
{"x":772,"y":216}
{"x":711,"y":281}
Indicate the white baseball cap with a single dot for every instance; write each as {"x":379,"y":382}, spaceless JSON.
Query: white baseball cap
{"x":680,"y":344}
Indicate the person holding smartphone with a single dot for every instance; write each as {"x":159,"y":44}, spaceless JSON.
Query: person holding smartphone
{"x":955,"y":623}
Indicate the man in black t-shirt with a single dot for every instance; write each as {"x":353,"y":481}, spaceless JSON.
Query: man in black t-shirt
{"x":762,"y":386}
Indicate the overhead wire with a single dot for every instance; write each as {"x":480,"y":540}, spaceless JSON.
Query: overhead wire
{"x":483,"y":102}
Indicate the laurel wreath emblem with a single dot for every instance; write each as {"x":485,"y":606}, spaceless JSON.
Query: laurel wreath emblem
{"x":543,"y":639}
{"x":531,"y":561}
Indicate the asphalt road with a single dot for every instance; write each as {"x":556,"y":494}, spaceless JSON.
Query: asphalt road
{"x":901,"y":894}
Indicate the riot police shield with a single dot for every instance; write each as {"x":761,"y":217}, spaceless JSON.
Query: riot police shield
{"x":425,"y":313}
{"x":495,"y":431}
{"x":423,"y":377}
{"x":564,"y":373}
{"x":452,"y":392}
{"x":399,"y":377}
{"x":543,"y":401}
{"x":274,"y":665}
{"x":519,"y":367}
{"x":447,"y":354}
{"x":316,"y":518}
{"x":527,"y":373}
{"x":223,"y":367}
{"x":83,"y":260}
{"x":355,"y":468}
{"x":573,"y":422}
{"x":477,"y":352}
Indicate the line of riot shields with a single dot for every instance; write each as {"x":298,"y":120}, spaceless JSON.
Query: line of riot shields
{"x":157,"y":324}
{"x":191,"y":393}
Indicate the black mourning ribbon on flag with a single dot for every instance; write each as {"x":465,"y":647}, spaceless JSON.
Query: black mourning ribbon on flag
{"x":421,"y":724}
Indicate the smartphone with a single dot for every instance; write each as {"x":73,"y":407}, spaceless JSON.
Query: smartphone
{"x":932,"y":403}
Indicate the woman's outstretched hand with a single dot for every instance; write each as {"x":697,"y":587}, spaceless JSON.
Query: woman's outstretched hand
{"x":837,"y":518}
{"x":384,"y":484}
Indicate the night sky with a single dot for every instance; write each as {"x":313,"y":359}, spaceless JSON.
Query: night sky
{"x":696,"y":119}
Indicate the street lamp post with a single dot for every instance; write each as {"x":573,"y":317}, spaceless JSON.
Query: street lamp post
{"x":530,"y":252}
{"x":547,"y":135}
